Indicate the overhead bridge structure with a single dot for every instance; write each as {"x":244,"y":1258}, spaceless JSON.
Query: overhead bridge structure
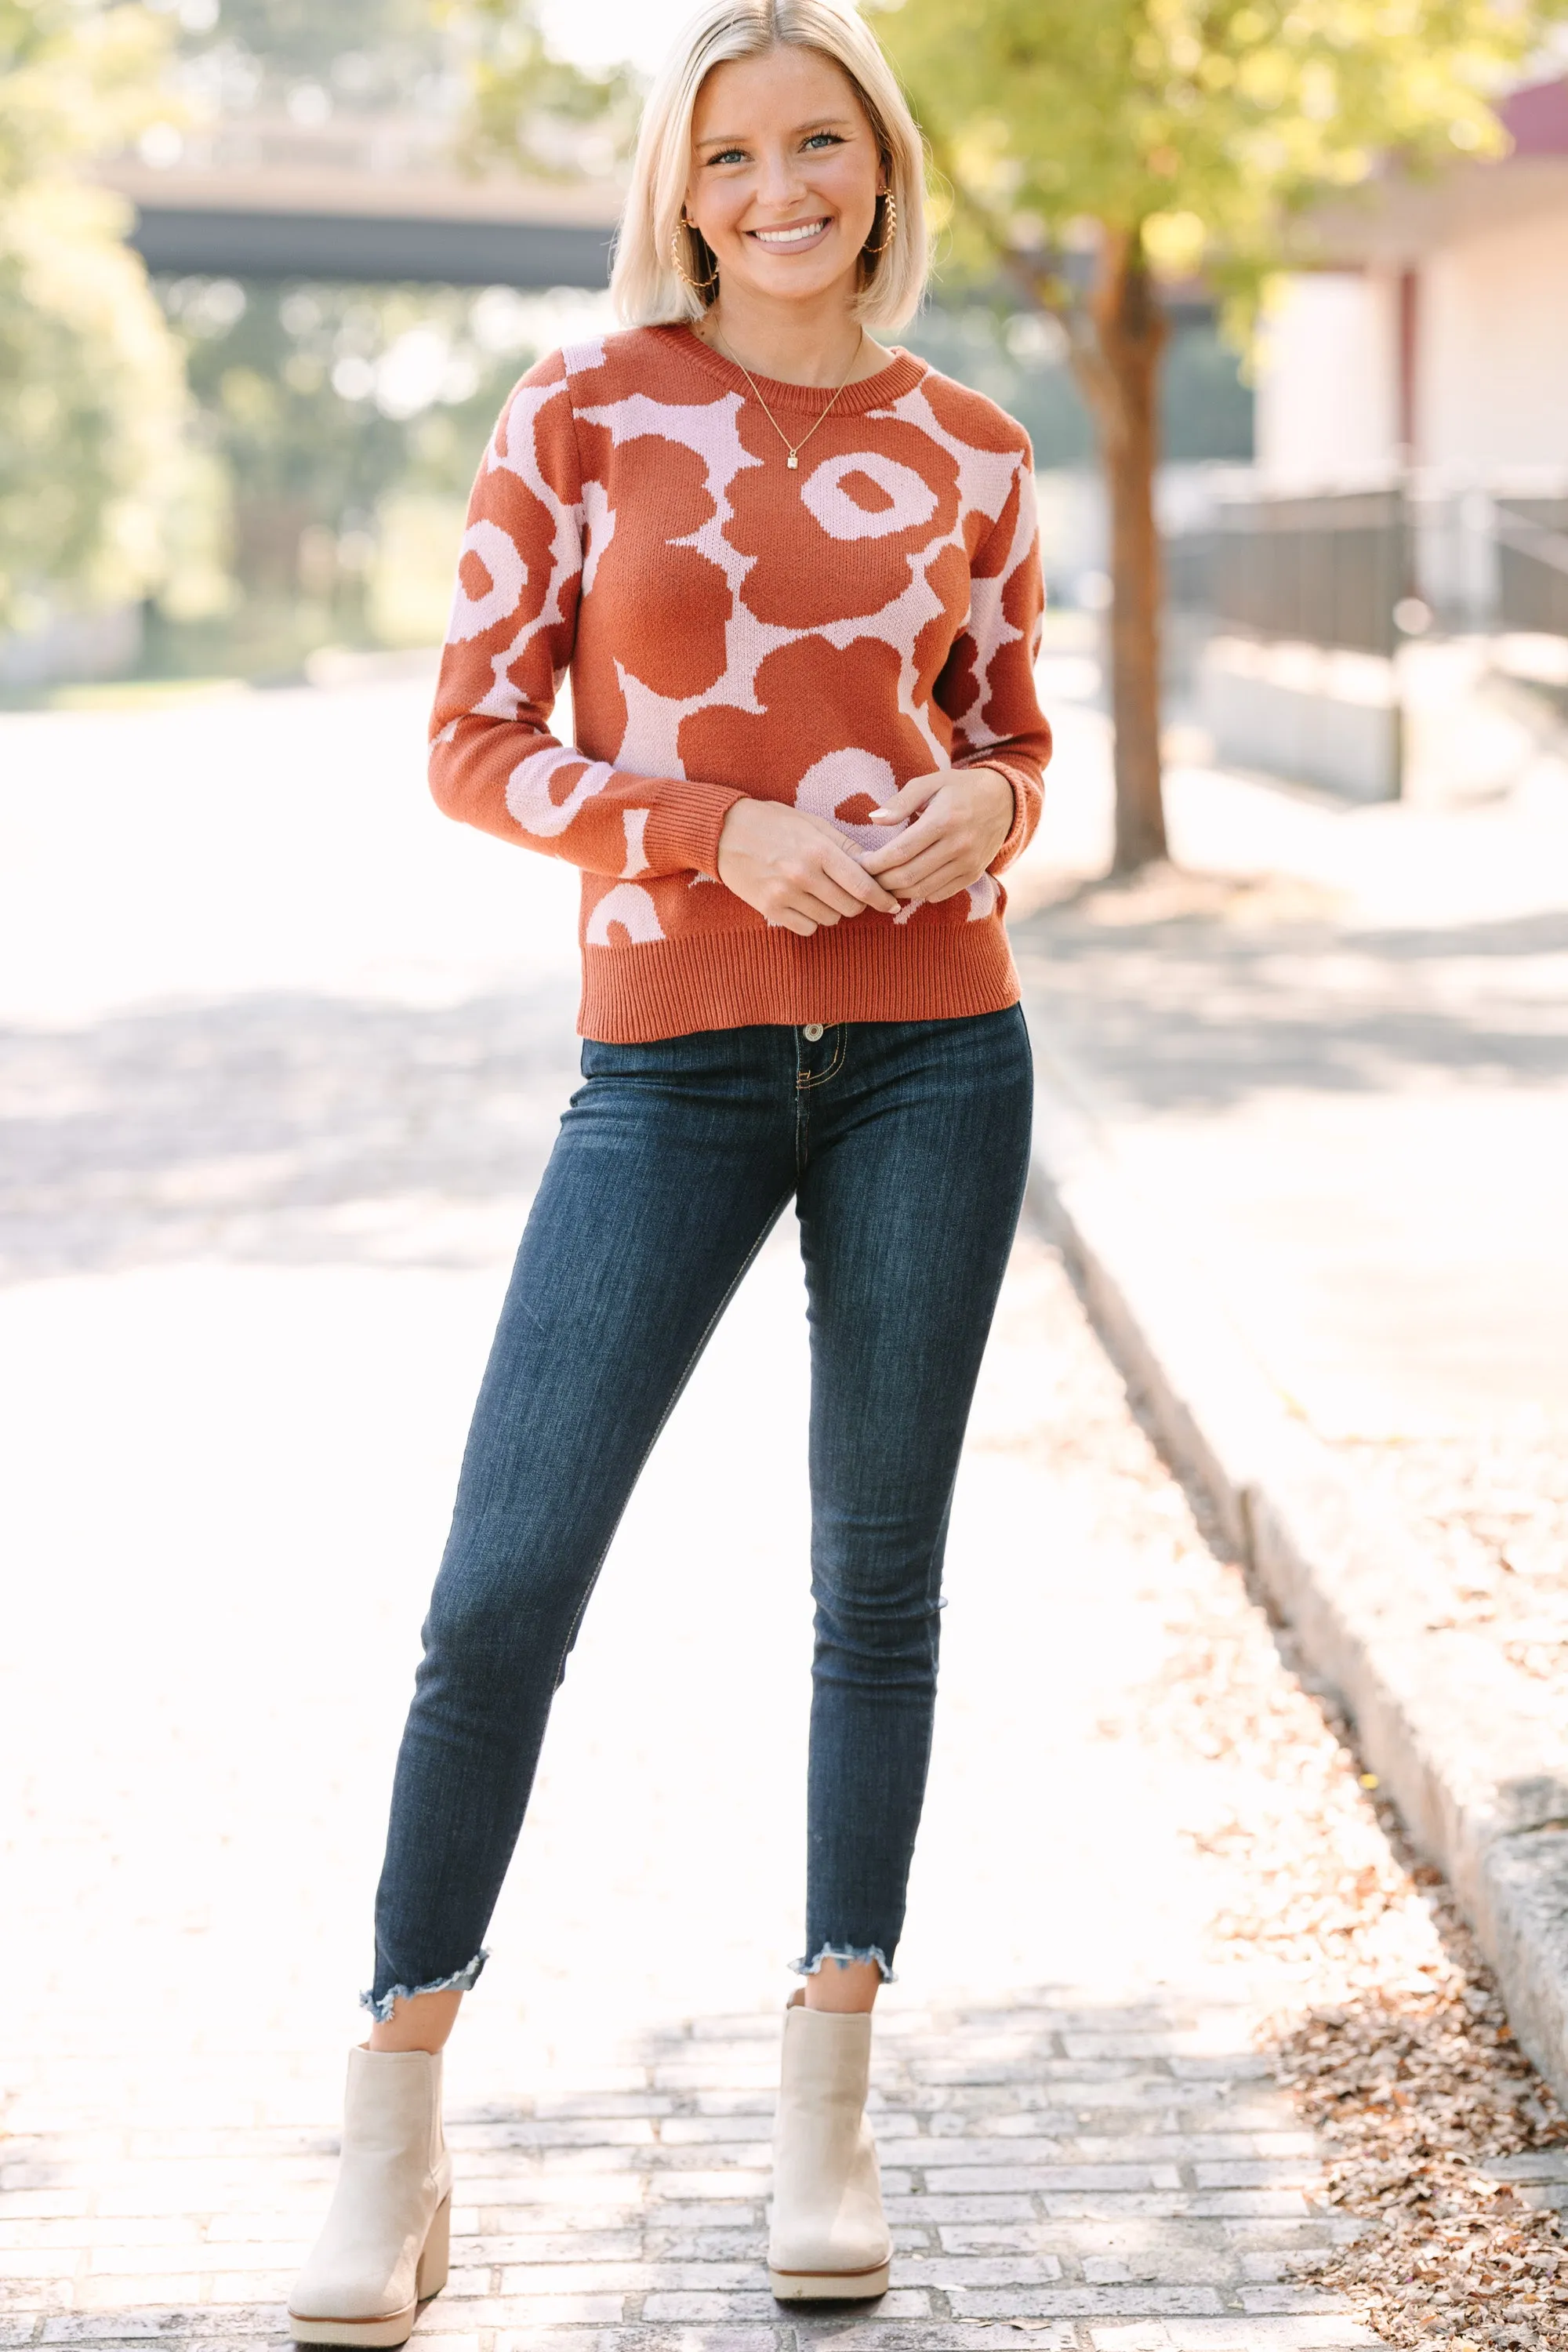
{"x":380,"y":228}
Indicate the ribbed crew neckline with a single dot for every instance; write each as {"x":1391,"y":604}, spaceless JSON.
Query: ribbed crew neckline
{"x":901,"y":375}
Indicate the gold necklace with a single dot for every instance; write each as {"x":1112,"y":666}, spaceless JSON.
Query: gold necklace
{"x":794,"y":459}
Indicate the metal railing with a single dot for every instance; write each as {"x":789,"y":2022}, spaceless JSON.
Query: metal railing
{"x":1531,"y":537}
{"x":1290,"y":612}
{"x":1359,"y":570}
{"x":1321,"y":571}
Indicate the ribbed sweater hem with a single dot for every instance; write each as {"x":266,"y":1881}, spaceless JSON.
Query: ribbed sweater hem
{"x":864,"y":969}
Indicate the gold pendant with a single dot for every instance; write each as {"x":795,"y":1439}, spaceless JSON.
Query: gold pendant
{"x":794,"y":462}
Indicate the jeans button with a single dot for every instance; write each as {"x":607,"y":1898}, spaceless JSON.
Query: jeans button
{"x":812,"y":1031}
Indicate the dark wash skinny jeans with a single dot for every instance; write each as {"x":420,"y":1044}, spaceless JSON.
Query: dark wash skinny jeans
{"x":905,"y":1146}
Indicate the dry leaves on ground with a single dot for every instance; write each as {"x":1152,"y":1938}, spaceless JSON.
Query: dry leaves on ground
{"x":1397,"y":2044}
{"x":1493,"y":1511}
{"x":1413,"y":2098}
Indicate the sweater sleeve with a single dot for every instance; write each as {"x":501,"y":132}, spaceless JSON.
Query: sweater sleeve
{"x":987,"y":683}
{"x":494,"y":763}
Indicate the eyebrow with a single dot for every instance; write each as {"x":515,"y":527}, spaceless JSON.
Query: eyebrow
{"x":818,"y":122}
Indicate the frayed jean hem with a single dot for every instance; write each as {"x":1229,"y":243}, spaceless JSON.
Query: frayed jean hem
{"x":463,"y":1981}
{"x":844,"y":1954}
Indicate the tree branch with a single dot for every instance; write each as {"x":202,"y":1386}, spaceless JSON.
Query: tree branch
{"x":1045,"y":285}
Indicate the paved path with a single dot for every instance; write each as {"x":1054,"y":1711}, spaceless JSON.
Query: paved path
{"x":282,"y":1054}
{"x":1340,"y":1059}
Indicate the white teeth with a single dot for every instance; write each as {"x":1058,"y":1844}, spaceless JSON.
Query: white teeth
{"x":788,"y":235}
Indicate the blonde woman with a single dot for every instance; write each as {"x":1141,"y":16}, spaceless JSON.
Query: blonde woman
{"x":792,"y":574}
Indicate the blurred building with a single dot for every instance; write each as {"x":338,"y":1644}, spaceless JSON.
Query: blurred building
{"x":1383,"y":602}
{"x":1436,"y":335}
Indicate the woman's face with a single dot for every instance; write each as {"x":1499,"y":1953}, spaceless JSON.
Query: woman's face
{"x":784,"y":174}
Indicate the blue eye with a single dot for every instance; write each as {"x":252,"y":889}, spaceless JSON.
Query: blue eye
{"x":825,"y":139}
{"x":729,"y":155}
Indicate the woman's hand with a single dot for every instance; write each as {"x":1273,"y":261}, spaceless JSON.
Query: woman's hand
{"x":961,"y":817}
{"x":796,"y":870}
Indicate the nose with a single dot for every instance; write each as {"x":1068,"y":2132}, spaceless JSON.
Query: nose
{"x":779,"y":184}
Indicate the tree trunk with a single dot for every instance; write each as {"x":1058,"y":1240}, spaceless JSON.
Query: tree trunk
{"x":1130,"y":334}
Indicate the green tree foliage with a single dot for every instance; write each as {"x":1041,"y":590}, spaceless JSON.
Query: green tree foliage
{"x":529,"y":109}
{"x":484,"y":64}
{"x":93,"y":394}
{"x":326,"y":416}
{"x":1092,"y":148}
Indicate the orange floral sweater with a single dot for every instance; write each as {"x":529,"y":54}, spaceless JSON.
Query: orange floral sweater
{"x":731,"y":628}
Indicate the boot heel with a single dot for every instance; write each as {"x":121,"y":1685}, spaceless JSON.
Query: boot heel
{"x":828,"y":2286}
{"x":431,"y":2275}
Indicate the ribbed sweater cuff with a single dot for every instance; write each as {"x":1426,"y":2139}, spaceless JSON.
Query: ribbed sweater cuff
{"x":1019,"y":831}
{"x":687,"y":818}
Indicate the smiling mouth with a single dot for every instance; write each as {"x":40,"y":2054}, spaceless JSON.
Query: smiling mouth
{"x":790,"y":239}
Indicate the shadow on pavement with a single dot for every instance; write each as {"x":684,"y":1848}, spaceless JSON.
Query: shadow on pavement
{"x":277,"y":1126}
{"x":1188,"y":1012}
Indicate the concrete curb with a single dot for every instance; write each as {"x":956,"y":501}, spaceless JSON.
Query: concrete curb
{"x":1470,"y":1750}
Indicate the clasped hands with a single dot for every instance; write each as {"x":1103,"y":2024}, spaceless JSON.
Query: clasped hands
{"x":801,"y":873}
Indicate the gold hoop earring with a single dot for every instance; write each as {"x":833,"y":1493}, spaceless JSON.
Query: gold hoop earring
{"x":677,"y":260}
{"x":890,"y":204}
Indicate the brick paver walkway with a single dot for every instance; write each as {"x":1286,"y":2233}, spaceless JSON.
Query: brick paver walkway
{"x":282,"y":1055}
{"x":1105,"y":2175}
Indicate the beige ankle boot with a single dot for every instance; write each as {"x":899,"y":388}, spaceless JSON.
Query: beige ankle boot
{"x":828,"y":2238}
{"x":384,"y":2247}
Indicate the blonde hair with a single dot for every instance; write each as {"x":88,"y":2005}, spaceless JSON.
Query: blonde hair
{"x":644,"y":284}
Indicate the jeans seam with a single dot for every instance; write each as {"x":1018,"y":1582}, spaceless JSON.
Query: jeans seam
{"x":805,"y":1080}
